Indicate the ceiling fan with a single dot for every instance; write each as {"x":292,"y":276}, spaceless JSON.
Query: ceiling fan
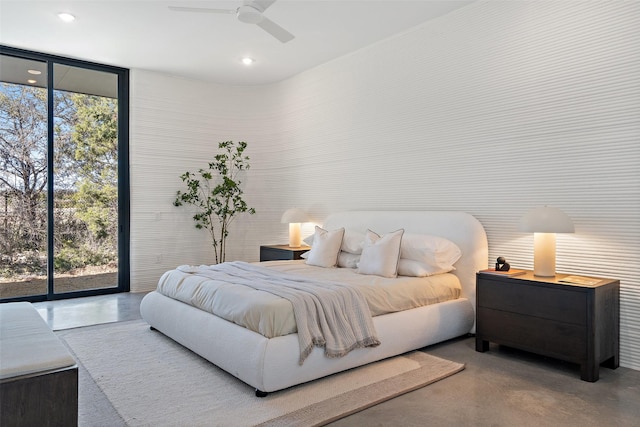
{"x":251,"y":12}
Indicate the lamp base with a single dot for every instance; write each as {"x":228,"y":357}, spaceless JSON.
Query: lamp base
{"x":544,"y":254}
{"x":294,"y":235}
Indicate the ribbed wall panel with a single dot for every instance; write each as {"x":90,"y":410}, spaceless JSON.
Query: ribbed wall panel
{"x":494,"y":109}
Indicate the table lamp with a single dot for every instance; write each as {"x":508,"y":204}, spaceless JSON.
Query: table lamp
{"x":544,"y":223}
{"x":294,"y":217}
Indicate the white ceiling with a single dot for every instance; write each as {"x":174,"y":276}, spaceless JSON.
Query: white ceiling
{"x":145,"y":34}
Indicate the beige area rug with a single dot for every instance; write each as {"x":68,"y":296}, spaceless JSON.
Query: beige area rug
{"x":152,"y":381}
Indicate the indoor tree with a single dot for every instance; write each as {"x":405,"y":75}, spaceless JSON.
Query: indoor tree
{"x":216,"y":194}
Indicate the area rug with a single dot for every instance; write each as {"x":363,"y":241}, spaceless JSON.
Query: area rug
{"x":146,"y":379}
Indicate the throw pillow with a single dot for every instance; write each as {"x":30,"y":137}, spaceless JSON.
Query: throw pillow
{"x":380,"y":254}
{"x":326,"y":246}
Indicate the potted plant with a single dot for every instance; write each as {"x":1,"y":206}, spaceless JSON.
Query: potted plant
{"x":216,"y":194}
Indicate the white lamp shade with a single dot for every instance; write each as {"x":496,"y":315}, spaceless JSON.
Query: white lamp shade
{"x":546,"y":219}
{"x":544,"y":222}
{"x":294,"y":215}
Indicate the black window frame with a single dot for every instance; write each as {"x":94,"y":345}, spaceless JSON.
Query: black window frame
{"x":124,"y":284}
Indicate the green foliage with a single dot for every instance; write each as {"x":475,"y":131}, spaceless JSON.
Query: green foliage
{"x":96,"y":204}
{"x":95,"y":139}
{"x":95,"y":136}
{"x":216,"y":194}
{"x":28,"y":263}
{"x":70,"y":258}
{"x":85,"y":158}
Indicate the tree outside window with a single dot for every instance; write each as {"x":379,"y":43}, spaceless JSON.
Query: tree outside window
{"x":85,"y":185}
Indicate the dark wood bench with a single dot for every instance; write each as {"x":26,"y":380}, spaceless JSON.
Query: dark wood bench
{"x":38,"y":376}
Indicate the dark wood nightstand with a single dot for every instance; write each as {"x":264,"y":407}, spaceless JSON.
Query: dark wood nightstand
{"x":576,"y":323}
{"x":281,"y":252}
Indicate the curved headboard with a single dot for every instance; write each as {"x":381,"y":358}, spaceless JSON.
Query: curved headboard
{"x":461,"y":228}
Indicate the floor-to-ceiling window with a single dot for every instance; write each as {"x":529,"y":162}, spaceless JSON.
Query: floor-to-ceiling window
{"x":63,"y":177}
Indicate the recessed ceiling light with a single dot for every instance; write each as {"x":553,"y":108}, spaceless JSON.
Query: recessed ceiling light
{"x":34,"y":72}
{"x":66,"y":17}
{"x":247,"y":61}
{"x":32,"y":81}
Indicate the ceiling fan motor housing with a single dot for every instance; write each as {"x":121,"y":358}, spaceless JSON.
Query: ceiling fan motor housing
{"x":249,"y":14}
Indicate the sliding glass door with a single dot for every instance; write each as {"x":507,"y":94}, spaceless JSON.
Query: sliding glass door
{"x":63,"y":177}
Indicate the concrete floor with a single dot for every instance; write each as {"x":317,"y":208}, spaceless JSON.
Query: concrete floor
{"x":503,"y":387}
{"x":77,"y":312}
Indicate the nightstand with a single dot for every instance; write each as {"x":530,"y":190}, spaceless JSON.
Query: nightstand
{"x":576,"y":323}
{"x":281,"y":252}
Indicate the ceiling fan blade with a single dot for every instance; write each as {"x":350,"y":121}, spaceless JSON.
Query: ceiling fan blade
{"x":200,"y":10}
{"x":275,"y":30}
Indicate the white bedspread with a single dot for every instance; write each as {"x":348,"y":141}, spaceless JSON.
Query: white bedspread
{"x":272,"y":316}
{"x":328,"y":314}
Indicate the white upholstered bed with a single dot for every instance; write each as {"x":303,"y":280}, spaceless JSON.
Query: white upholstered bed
{"x":271,"y":364}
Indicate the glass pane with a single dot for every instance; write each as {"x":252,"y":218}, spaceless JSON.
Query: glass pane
{"x":23,"y":177}
{"x":85,"y":179}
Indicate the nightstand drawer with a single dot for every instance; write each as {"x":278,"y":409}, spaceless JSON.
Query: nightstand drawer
{"x":556,"y":339}
{"x":552,"y":303}
{"x":281,"y":252}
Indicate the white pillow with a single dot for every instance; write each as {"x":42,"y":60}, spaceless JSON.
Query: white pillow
{"x":326,"y":246}
{"x":380,"y":255}
{"x":409,"y":267}
{"x":308,"y":240}
{"x":347,"y":260}
{"x":437,"y":254}
{"x":352,"y":241}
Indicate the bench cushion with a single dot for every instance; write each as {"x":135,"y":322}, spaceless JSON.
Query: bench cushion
{"x":27,"y":344}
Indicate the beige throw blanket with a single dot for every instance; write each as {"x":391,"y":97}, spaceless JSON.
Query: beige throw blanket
{"x":328,"y":314}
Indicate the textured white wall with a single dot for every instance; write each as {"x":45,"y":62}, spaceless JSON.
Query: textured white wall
{"x":176,"y":125}
{"x":494,"y":109}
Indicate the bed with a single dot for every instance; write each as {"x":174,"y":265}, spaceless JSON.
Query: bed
{"x":271,"y":364}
